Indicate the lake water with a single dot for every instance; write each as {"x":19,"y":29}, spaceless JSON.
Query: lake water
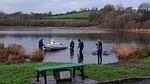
{"x":29,"y":37}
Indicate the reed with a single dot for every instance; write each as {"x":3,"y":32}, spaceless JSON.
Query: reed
{"x":15,"y":53}
{"x":3,"y":56}
{"x":36,"y":55}
{"x":125,"y":52}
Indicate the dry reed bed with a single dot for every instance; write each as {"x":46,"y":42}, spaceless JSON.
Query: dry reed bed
{"x":128,"y":52}
{"x":15,"y":54}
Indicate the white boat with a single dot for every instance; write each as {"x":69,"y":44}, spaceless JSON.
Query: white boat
{"x":53,"y":46}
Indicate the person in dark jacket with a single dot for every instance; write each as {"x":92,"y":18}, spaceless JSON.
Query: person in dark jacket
{"x":99,"y":51}
{"x":72,"y":45}
{"x":72,"y":49}
{"x":80,"y":46}
{"x":41,"y":44}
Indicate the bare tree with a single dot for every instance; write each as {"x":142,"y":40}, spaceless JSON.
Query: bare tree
{"x":146,"y":24}
{"x":108,"y":8}
{"x":119,"y":7}
{"x":144,"y":9}
{"x":144,"y":6}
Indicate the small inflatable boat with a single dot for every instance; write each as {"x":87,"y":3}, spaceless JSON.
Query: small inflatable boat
{"x":54,"y":46}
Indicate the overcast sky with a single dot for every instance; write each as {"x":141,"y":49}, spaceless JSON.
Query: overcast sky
{"x":60,"y":6}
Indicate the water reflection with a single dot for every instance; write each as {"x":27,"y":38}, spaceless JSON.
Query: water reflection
{"x":71,"y":55}
{"x":115,"y":37}
{"x":80,"y":57}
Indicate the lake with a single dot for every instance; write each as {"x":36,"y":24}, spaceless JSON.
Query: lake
{"x":29,"y":37}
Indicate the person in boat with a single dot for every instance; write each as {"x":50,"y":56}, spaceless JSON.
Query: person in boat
{"x":41,"y":44}
{"x":72,"y":45}
{"x":80,"y":45}
{"x":99,"y":51}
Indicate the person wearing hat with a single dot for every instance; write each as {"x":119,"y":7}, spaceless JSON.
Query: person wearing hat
{"x":99,"y":51}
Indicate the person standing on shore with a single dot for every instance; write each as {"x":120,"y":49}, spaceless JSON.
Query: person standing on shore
{"x":99,"y":51}
{"x":72,"y":45}
{"x":72,"y":50}
{"x":80,"y":46}
{"x":41,"y":44}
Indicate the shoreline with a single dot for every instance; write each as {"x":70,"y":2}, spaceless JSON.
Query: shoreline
{"x":81,"y":28}
{"x":139,"y":30}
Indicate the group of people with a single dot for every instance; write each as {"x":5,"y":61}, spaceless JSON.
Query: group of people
{"x":81,"y":46}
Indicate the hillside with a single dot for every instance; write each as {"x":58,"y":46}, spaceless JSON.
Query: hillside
{"x":78,"y":15}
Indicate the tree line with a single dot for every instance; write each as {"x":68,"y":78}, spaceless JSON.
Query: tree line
{"x":20,"y":19}
{"x":119,"y":17}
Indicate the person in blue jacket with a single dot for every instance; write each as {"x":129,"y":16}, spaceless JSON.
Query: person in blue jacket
{"x":41,"y":44}
{"x":80,"y":46}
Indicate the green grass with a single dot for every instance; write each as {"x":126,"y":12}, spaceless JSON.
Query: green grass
{"x":103,"y":72}
{"x":18,"y":73}
{"x":22,"y":73}
{"x":80,"y":15}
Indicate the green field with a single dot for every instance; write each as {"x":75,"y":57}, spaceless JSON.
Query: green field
{"x":79,"y":15}
{"x":68,"y":20}
{"x":22,"y":73}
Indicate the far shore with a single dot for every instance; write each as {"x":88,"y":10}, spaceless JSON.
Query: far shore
{"x":81,"y":28}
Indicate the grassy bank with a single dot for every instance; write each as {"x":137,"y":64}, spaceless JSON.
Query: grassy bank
{"x":21,"y":73}
{"x":78,"y":15}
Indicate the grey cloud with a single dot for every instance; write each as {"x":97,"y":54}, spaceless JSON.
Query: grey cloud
{"x":57,"y":6}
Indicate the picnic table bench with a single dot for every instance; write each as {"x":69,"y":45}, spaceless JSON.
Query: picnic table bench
{"x":42,"y":70}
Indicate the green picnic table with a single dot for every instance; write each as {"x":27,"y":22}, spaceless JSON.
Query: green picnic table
{"x":42,"y":70}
